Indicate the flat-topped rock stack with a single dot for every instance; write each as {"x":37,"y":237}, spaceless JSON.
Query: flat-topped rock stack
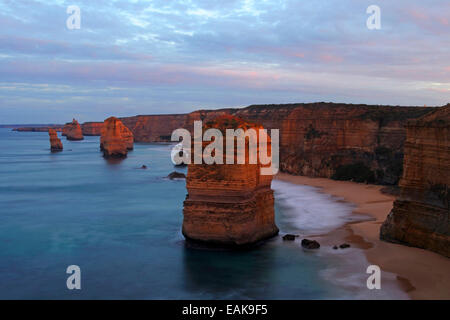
{"x":421,"y":215}
{"x":116,"y":139}
{"x":229,"y":204}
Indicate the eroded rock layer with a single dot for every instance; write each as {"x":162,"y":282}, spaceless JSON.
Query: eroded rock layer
{"x":72,"y":131}
{"x":55,"y":143}
{"x":421,"y":215}
{"x":228,"y":204}
{"x":116,"y":139}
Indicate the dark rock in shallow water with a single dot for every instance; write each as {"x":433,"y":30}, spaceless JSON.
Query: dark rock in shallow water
{"x":176,"y":175}
{"x":344,"y":246}
{"x":335,"y":247}
{"x":144,"y":167}
{"x":289,"y":237}
{"x":310,"y":244}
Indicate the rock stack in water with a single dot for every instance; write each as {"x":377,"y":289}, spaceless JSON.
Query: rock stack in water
{"x":116,"y":139}
{"x":72,"y":131}
{"x":421,"y":215}
{"x":229,"y":204}
{"x":55,"y":142}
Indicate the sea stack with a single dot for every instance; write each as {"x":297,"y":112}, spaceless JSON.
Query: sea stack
{"x":55,"y":143}
{"x":72,"y":131}
{"x":421,"y":215}
{"x":116,"y":139}
{"x":229,"y":204}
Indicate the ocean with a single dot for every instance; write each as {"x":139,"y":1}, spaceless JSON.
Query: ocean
{"x":122,"y":226}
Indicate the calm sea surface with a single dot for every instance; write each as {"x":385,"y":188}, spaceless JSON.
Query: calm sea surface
{"x":121,"y":225}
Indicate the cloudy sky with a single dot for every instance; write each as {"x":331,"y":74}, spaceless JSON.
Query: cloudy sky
{"x":163,"y":56}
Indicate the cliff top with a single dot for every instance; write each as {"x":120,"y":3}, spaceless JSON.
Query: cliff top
{"x":440,"y":116}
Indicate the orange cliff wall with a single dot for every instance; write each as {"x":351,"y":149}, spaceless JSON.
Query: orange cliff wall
{"x":92,"y":128}
{"x":421,"y":215}
{"x":228,"y":204}
{"x":316,"y":139}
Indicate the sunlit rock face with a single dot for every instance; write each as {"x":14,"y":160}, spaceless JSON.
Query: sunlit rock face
{"x":229,"y":204}
{"x":343,"y":141}
{"x":92,"y":128}
{"x":116,"y":139}
{"x":55,"y":143}
{"x":72,"y":131}
{"x":421,"y":215}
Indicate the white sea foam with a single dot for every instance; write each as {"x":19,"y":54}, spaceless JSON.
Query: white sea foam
{"x":308,"y":210}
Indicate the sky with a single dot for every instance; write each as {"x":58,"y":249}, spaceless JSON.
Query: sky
{"x":163,"y":56}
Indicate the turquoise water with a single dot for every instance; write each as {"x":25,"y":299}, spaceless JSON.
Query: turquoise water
{"x":121,"y":225}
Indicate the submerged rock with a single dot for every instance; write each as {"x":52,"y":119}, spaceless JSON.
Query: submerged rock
{"x":344,"y":246}
{"x":176,"y":175}
{"x":289,"y":237}
{"x":55,"y":143}
{"x":72,"y":131}
{"x":116,"y":139}
{"x":310,"y":244}
{"x":144,"y":167}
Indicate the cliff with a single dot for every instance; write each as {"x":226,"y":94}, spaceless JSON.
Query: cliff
{"x":341,"y":141}
{"x":92,"y":128}
{"x":116,"y":139}
{"x":38,"y":129}
{"x":362,"y":143}
{"x":55,"y":143}
{"x":421,"y":215}
{"x":228,"y":204}
{"x":72,"y":131}
{"x":154,"y":128}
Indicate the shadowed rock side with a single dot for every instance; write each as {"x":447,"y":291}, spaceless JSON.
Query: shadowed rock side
{"x":421,"y":215}
{"x":116,"y":139}
{"x":72,"y":131}
{"x":228,"y":204}
{"x":55,"y":143}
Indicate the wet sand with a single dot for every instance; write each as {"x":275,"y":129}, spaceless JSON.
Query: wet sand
{"x":420,"y":273}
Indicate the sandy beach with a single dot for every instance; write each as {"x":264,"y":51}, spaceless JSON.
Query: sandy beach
{"x":420,"y":273}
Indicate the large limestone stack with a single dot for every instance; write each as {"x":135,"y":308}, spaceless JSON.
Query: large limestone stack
{"x":55,"y":143}
{"x":72,"y":131}
{"x":116,"y":139}
{"x":421,"y":215}
{"x":228,"y":204}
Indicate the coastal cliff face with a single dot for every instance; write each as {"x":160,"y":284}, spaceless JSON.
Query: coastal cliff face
{"x":72,"y":131}
{"x":345,"y":142}
{"x":228,"y":204}
{"x":92,"y":128}
{"x":157,"y":128}
{"x":55,"y":143}
{"x":421,"y":215}
{"x":116,"y":139}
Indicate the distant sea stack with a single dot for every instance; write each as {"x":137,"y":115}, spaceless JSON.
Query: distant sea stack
{"x":72,"y":131}
{"x":228,"y":204}
{"x":116,"y":139}
{"x":55,"y":143}
{"x":421,"y":215}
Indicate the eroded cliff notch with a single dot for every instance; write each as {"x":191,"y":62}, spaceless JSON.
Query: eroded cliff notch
{"x":229,"y":204}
